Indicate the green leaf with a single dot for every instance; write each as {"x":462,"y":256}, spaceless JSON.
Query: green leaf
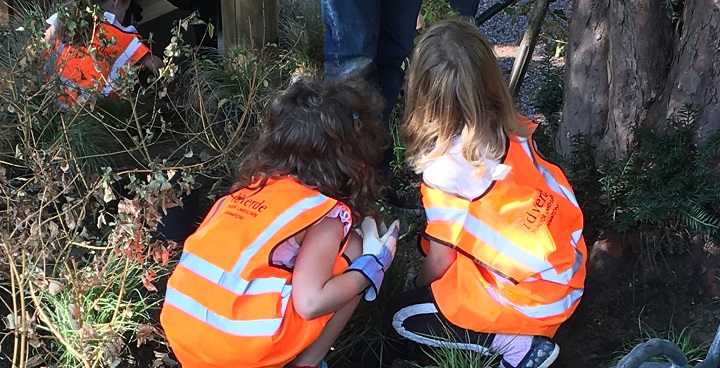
{"x":210,"y":30}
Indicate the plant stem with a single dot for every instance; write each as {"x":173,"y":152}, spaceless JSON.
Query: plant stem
{"x":51,"y":327}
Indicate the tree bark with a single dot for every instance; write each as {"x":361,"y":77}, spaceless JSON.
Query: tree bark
{"x":628,"y":63}
{"x":694,"y":76}
{"x":585,"y":110}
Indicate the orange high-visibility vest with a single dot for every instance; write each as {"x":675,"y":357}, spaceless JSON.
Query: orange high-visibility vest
{"x":520,"y":250}
{"x":94,"y":69}
{"x":227,"y":303}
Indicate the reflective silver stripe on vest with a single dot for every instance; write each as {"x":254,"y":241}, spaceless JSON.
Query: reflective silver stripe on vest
{"x":544,"y":310}
{"x":279,"y":223}
{"x":120,"y":63}
{"x":565,"y":277}
{"x":502,"y":245}
{"x":239,"y":286}
{"x":549,"y":179}
{"x":258,"y":327}
{"x":234,"y":284}
{"x":489,"y":236}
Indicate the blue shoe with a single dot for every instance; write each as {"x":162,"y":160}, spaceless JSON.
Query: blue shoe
{"x":323,"y":364}
{"x":542,"y":354}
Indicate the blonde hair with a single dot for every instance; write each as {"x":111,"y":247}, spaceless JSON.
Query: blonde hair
{"x":456,"y":89}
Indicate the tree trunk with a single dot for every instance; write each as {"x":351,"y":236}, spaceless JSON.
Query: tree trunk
{"x":695,"y":68}
{"x":628,"y":63}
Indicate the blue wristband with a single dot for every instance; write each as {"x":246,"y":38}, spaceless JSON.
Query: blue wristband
{"x":371,"y":267}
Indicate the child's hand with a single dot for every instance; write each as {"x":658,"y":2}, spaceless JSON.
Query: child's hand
{"x":152,"y":63}
{"x":378,"y":253}
{"x":373,"y":243}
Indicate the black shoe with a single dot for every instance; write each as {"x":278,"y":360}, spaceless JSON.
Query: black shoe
{"x":542,"y":354}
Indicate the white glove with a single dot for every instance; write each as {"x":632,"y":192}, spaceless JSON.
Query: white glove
{"x":373,"y":243}
{"x":378,"y":253}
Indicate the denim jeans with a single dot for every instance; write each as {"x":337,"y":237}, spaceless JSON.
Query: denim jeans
{"x":370,"y":39}
{"x":466,"y":8}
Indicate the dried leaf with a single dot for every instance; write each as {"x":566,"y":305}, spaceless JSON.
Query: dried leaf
{"x":34,"y":361}
{"x":147,"y":279}
{"x":74,"y":316}
{"x":70,"y":220}
{"x":108,"y":195}
{"x":129,"y":207}
{"x":53,"y":229}
{"x":160,"y":253}
{"x":145,"y":332}
{"x":9,"y":322}
{"x":55,"y":287}
{"x":101,"y":220}
{"x":35,"y":229}
{"x":205,"y":156}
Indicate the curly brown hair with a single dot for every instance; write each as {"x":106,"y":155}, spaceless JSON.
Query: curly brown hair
{"x":325,"y":135}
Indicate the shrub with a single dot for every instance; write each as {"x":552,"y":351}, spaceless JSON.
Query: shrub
{"x":665,"y":186}
{"x":79,"y":261}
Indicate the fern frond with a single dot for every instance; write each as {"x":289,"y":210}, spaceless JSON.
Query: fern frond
{"x":700,"y":220}
{"x":709,"y":150}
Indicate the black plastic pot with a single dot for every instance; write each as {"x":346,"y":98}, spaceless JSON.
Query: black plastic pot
{"x":180,"y":221}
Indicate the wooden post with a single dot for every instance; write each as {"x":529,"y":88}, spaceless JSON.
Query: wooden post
{"x":254,"y":22}
{"x":527,"y":45}
{"x":6,"y":11}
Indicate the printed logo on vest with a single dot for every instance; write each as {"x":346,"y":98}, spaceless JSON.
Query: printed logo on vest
{"x":240,"y":207}
{"x":543,"y":212}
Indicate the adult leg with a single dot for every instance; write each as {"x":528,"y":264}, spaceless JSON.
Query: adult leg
{"x":466,"y":8}
{"x":398,"y":19}
{"x":314,"y":354}
{"x":351,"y":36}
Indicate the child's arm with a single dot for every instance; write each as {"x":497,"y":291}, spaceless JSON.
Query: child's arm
{"x":315,"y":291}
{"x":438,"y":260}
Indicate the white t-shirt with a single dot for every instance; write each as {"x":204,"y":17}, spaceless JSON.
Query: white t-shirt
{"x":455,"y":175}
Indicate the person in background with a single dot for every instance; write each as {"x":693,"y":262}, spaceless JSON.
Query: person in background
{"x":274,"y":272}
{"x":370,"y":39}
{"x":505,"y":255}
{"x":466,"y":8}
{"x":91,"y":64}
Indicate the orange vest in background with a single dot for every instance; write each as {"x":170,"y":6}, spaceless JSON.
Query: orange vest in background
{"x":520,"y":264}
{"x":93,"y":69}
{"x":227,"y":304}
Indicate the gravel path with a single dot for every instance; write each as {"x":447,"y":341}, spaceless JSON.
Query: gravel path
{"x":505,"y":34}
